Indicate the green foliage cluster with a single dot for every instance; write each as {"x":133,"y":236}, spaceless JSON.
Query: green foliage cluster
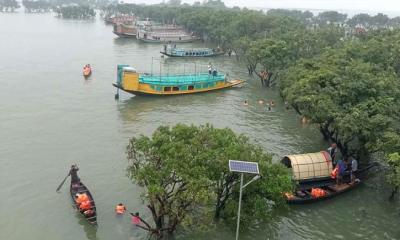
{"x":393,"y":176}
{"x":352,"y":93}
{"x":8,"y":5}
{"x":75,"y":12}
{"x":373,"y":22}
{"x":184,"y":170}
{"x":36,"y":6}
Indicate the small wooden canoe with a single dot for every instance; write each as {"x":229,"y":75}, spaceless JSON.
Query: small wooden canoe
{"x":87,"y":71}
{"x":303,"y":195}
{"x":81,"y":188}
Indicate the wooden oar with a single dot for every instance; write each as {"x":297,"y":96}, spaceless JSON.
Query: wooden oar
{"x":62,"y":183}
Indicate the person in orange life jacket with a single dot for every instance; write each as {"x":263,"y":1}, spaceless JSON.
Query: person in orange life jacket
{"x":136,"y":220}
{"x":120,"y":209}
{"x":81,"y":197}
{"x":86,"y":205}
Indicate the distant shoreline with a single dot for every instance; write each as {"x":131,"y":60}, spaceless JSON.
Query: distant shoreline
{"x":350,"y":12}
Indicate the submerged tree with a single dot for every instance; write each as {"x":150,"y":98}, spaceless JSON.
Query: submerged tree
{"x":76,"y":12}
{"x":8,"y":5}
{"x":184,"y":171}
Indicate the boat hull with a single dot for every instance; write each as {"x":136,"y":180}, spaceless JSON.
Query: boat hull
{"x":168,"y":40}
{"x":228,"y":84}
{"x":81,"y":188}
{"x":127,"y":35}
{"x":330,"y":187}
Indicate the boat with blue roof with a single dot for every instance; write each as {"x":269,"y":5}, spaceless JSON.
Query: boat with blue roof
{"x":131,"y":81}
{"x":173,"y":51}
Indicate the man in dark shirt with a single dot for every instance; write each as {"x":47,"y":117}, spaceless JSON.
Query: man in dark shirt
{"x":332,"y":150}
{"x":74,"y":174}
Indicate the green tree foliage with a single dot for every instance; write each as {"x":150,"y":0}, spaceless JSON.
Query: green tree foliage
{"x":36,"y":6}
{"x":184,"y":170}
{"x":8,"y":5}
{"x":305,"y":17}
{"x":393,"y":176}
{"x":76,"y":12}
{"x":352,"y":96}
{"x":331,"y":17}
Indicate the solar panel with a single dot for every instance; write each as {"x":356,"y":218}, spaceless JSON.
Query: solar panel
{"x":243,"y":167}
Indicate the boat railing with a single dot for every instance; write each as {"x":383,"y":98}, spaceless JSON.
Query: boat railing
{"x":183,"y":79}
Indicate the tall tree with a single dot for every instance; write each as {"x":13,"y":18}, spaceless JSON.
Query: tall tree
{"x":184,"y":170}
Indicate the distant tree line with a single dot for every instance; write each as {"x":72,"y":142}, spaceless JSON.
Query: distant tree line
{"x":75,"y":12}
{"x":36,"y":6}
{"x":8,"y":5}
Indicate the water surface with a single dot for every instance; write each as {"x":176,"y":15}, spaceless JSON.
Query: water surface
{"x":50,"y":117}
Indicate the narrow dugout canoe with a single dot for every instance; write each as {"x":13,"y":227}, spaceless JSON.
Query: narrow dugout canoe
{"x":81,"y":188}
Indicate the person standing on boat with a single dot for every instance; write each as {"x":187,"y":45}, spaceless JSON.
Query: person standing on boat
{"x":73,"y":172}
{"x":214,"y":72}
{"x":332,"y":150}
{"x":341,"y":166}
{"x":354,"y":168}
{"x":209,"y":69}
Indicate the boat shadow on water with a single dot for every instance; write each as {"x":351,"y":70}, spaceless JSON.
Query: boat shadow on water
{"x":125,"y":41}
{"x":133,"y":108}
{"x":90,"y":230}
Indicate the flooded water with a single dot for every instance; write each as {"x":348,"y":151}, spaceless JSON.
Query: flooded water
{"x":50,"y":117}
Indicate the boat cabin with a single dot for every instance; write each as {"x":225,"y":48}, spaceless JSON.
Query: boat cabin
{"x":310,"y":166}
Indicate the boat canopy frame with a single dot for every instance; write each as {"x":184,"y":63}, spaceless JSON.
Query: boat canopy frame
{"x":309,"y":166}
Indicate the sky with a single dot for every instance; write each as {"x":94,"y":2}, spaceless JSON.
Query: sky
{"x":369,"y":6}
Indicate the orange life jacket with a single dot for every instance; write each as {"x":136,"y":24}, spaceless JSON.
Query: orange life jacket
{"x":82,"y":198}
{"x":120,"y":209}
{"x":317,"y":192}
{"x":86,"y":205}
{"x":335,"y":172}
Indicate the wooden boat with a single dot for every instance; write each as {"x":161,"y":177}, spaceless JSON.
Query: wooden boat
{"x":312,"y":171}
{"x":81,"y":188}
{"x":133,"y":82}
{"x":126,"y":19}
{"x":173,"y":51}
{"x":125,"y":30}
{"x":87,"y":71}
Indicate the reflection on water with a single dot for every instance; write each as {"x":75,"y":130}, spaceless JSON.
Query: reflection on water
{"x":90,"y":230}
{"x":140,"y":106}
{"x":125,"y":41}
